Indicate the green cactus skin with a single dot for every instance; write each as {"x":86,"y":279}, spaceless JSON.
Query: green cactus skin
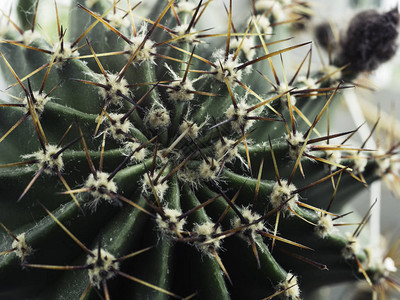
{"x":168,"y":164}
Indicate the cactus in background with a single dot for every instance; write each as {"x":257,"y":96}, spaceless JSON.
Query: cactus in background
{"x":149,"y":157}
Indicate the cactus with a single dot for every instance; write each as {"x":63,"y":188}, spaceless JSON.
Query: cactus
{"x":145,"y":156}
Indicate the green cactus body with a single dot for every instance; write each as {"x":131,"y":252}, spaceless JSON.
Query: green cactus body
{"x":144,"y":164}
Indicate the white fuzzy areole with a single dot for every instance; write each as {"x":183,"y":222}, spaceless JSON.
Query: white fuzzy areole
{"x":39,"y":104}
{"x":246,"y":46}
{"x":250,"y":217}
{"x":159,"y":188}
{"x":116,"y":128}
{"x":389,"y":265}
{"x":65,"y":54}
{"x":22,"y":249}
{"x":290,"y":287}
{"x":99,"y":186}
{"x":116,"y":87}
{"x":283,"y":87}
{"x":193,"y":131}
{"x":264,"y":24}
{"x":325,"y":225}
{"x":383,"y":160}
{"x":207,"y":232}
{"x":189,"y":37}
{"x":185,"y":7}
{"x":333,"y":156}
{"x":51,"y":164}
{"x":145,"y":53}
{"x":226,"y":68}
{"x":118,"y":19}
{"x":296,"y":142}
{"x":308,"y":84}
{"x":101,"y":271}
{"x":181,"y":91}
{"x":172,"y":224}
{"x":29,"y":36}
{"x":239,"y":114}
{"x":393,"y":166}
{"x":157,"y":117}
{"x":360,"y":161}
{"x":352,"y":247}
{"x":138,"y":156}
{"x":226,"y":150}
{"x":189,"y":176}
{"x":382,"y":267}
{"x":278,"y":11}
{"x":281,"y":193}
{"x":208,"y":171}
{"x":330,"y":70}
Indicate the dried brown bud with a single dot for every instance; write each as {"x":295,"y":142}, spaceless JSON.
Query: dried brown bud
{"x":370,"y":40}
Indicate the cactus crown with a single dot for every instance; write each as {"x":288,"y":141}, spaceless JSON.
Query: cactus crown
{"x":132,"y":136}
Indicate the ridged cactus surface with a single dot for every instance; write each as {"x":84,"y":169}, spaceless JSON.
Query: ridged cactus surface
{"x":148,"y":156}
